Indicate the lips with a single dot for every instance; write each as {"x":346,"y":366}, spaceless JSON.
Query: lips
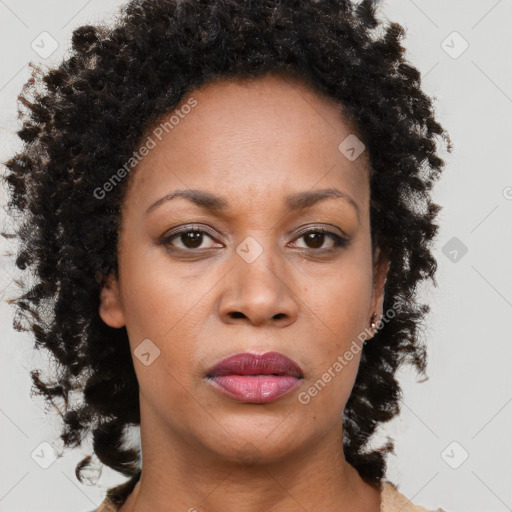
{"x":255,"y":378}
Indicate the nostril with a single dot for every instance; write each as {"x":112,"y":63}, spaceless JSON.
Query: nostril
{"x":278,"y":316}
{"x":237,"y":314}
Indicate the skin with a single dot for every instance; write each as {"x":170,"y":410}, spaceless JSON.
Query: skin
{"x":253,"y":143}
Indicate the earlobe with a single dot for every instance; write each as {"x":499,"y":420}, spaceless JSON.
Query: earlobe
{"x":110,"y":310}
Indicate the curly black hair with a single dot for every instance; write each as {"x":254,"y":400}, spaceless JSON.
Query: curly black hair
{"x":83,"y":120}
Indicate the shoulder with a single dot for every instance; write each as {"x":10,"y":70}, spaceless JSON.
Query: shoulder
{"x":393,"y":501}
{"x":106,"y":506}
{"x":116,"y":496}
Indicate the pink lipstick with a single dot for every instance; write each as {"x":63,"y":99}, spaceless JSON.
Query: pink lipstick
{"x":255,"y":378}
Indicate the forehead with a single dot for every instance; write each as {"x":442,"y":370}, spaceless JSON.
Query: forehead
{"x":250,"y":135}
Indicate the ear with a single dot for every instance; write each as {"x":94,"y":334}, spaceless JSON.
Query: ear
{"x":110,"y":310}
{"x":380,"y":274}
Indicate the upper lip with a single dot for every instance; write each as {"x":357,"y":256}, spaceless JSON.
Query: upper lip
{"x":247,"y":363}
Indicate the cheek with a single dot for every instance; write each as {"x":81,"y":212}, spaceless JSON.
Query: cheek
{"x":342,"y":303}
{"x":170,"y":308}
{"x":340,"y":307}
{"x":157,"y":309}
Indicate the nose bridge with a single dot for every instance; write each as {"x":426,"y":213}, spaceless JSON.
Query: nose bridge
{"x":257,"y":284}
{"x":257,"y":267}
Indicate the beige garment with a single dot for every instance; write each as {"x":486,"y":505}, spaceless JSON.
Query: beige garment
{"x":394,"y":501}
{"x":391,"y":501}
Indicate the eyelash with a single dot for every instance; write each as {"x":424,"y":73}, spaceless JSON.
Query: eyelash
{"x":338,"y":240}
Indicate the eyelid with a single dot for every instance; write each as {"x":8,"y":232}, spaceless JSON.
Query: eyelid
{"x":325,"y":228}
{"x":185,"y":228}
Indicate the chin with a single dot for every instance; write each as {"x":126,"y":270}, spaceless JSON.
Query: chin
{"x":256,"y":443}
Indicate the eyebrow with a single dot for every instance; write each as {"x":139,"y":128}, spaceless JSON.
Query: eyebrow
{"x":214,"y":203}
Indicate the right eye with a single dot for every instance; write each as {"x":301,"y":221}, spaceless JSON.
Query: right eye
{"x":188,"y":239}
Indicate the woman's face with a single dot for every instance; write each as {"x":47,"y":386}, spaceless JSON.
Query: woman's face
{"x":215,"y":260}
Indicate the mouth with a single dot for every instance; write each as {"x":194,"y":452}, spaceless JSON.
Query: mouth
{"x":255,"y":378}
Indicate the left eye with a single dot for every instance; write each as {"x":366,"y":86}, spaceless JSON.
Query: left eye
{"x":314,"y":239}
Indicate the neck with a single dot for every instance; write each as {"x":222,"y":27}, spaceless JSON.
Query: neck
{"x":177,"y":475}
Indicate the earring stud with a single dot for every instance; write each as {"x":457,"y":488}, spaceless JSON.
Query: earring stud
{"x":373,"y":326}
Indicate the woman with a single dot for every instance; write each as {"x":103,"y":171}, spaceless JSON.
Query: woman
{"x":226,"y":205}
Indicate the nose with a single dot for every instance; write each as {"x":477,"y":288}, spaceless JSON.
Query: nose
{"x":259,"y":292}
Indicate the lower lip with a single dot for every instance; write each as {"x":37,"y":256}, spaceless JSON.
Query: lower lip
{"x":255,"y":389}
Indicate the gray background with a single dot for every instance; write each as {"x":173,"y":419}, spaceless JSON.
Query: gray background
{"x":465,"y":408}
